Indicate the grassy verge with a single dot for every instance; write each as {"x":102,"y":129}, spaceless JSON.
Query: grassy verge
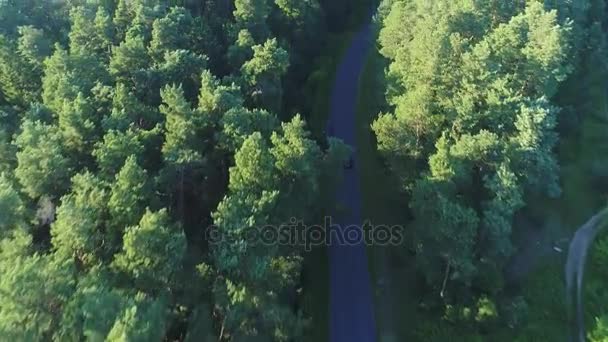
{"x":316,"y":295}
{"x":392,"y":272}
{"x":318,"y":88}
{"x":582,"y":151}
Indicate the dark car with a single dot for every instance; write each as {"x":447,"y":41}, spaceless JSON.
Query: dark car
{"x":349,"y":163}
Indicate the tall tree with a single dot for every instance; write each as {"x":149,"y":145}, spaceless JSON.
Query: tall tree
{"x":115,"y":149}
{"x":79,"y":230}
{"x":78,"y":124}
{"x":34,"y":289}
{"x":63,"y":79}
{"x":172,"y":32}
{"x":19,"y":78}
{"x":43,"y":165}
{"x":11,"y":206}
{"x":130,"y":194}
{"x":34,"y":46}
{"x":123,"y":16}
{"x":469,"y":83}
{"x":129,"y":61}
{"x":263,"y":74}
{"x":86,"y":38}
{"x":252,"y":15}
{"x":152,"y":252}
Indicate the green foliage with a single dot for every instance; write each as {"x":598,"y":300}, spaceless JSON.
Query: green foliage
{"x":19,"y":76}
{"x":141,"y":322}
{"x":78,"y":231}
{"x":63,"y":79}
{"x":215,"y":98}
{"x":600,"y":331}
{"x":127,"y":111}
{"x":116,"y":147}
{"x":469,"y":83}
{"x":110,"y":111}
{"x":129,"y":60}
{"x":76,"y":125}
{"x":86,"y":38}
{"x":182,"y":67}
{"x":297,"y":159}
{"x":7,"y":153}
{"x":33,"y":290}
{"x":239,"y":123}
{"x":123,"y":16}
{"x":241,"y":50}
{"x":173,"y":32}
{"x":181,"y":144}
{"x":271,"y":182}
{"x":33,"y":45}
{"x":252,"y":15}
{"x":129,"y":194}
{"x":152,"y":251}
{"x":92,"y":310}
{"x":43,"y":166}
{"x":263,"y":73}
{"x":11,"y":206}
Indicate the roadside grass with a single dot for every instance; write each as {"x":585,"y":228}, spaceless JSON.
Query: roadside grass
{"x":382,"y":200}
{"x":319,"y":85}
{"x":383,"y":204}
{"x":316,"y":296}
{"x":582,"y":150}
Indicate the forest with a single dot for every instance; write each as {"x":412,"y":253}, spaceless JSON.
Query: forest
{"x":493,"y":122}
{"x":131,"y":130}
{"x":127,"y":128}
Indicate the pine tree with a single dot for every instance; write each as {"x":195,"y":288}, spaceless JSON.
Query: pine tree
{"x":129,"y":195}
{"x":152,"y":252}
{"x":11,"y":206}
{"x":123,"y":16}
{"x":129,"y":60}
{"x":19,"y":78}
{"x":181,"y":144}
{"x":173,"y":32}
{"x":78,"y":232}
{"x":264,"y":72}
{"x":77,"y":125}
{"x":43,"y":165}
{"x":86,"y":38}
{"x":252,"y":15}
{"x":115,"y":149}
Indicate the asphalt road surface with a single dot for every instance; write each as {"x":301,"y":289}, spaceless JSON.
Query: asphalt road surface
{"x":351,"y":300}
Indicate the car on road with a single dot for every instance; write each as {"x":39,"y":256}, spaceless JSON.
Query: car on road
{"x":349,"y":163}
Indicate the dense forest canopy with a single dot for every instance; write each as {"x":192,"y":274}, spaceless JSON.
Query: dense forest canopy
{"x":141,"y":141}
{"x":472,"y":94}
{"x":129,"y":127}
{"x":478,"y":95}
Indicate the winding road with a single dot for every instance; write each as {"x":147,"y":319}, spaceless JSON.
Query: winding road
{"x":575,"y":269}
{"x":351,"y":300}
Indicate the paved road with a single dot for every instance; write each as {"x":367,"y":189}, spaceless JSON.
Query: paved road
{"x":575,"y":268}
{"x":351,"y":300}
